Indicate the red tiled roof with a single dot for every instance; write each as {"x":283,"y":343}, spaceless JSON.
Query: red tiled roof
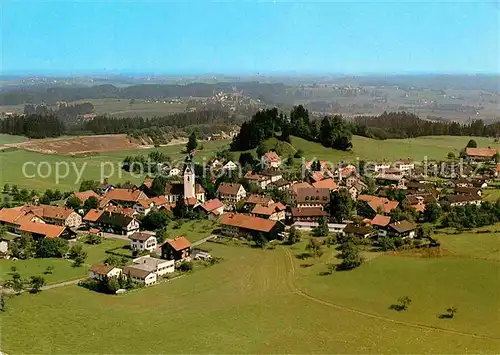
{"x":93,"y":215}
{"x":101,"y":269}
{"x":159,"y":200}
{"x":317,"y":176}
{"x":248,"y":222}
{"x":268,"y":210}
{"x":125,"y":195}
{"x":179,"y":243}
{"x":10,"y":215}
{"x":327,"y":183}
{"x":48,"y":230}
{"x":85,"y":195}
{"x":259,"y":200}
{"x":308,"y":212}
{"x":380,"y":220}
{"x":481,"y":152}
{"x":211,"y":205}
{"x":272,"y":157}
{"x":228,"y":189}
{"x":301,"y":185}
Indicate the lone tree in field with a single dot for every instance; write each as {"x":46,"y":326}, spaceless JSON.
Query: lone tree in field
{"x":404,"y":302}
{"x":472,"y":144}
{"x":192,"y":143}
{"x":36,"y":283}
{"x":314,"y":247}
{"x":294,"y":236}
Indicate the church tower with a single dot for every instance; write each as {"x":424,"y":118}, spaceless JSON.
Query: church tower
{"x":189,"y":181}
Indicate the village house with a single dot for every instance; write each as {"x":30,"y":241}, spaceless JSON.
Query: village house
{"x":160,"y":202}
{"x":143,"y":207}
{"x":230,"y":194}
{"x":12,"y":218}
{"x":418,"y":201}
{"x":480,"y":154}
{"x":337,"y":228}
{"x":112,"y":222}
{"x":463,"y":200}
{"x":468,"y":191}
{"x":312,"y":197}
{"x":377,"y":166}
{"x":379,"y":204}
{"x":316,"y":177}
{"x":213,"y":208}
{"x":254,"y":200}
{"x":259,"y":180}
{"x":125,"y":197}
{"x":405,"y":165}
{"x":307,"y":214}
{"x":103,"y":272}
{"x":159,"y":266}
{"x":403,"y":229}
{"x":359,"y":231}
{"x":45,"y":230}
{"x":142,"y":241}
{"x":230,"y":166}
{"x":139,"y":275}
{"x":61,"y":216}
{"x":280,"y":185}
{"x":240,"y":225}
{"x":329,"y":184}
{"x":380,"y":223}
{"x":275,"y":211}
{"x":177,"y":249}
{"x":271,"y":160}
{"x":85,"y":195}
{"x":396,"y":180}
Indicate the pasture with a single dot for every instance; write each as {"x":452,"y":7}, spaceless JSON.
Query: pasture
{"x":266,"y":301}
{"x":7,"y":139}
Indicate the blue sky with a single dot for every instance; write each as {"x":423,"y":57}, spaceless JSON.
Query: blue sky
{"x":248,"y":38}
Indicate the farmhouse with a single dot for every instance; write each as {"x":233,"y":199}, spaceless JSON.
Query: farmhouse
{"x":418,"y":202}
{"x":254,"y":200}
{"x":360,"y":231}
{"x":280,"y":185}
{"x":143,"y":207}
{"x":310,"y":214}
{"x":12,"y":218}
{"x":480,"y":154}
{"x":140,"y":275}
{"x":177,"y":249}
{"x":275,"y":211}
{"x":101,"y":271}
{"x":142,"y":241}
{"x":235,"y":225}
{"x":230,"y":194}
{"x":56,"y":215}
{"x":404,"y":229}
{"x":463,"y":200}
{"x":213,"y":208}
{"x":125,"y":197}
{"x":258,"y":180}
{"x":271,"y":160}
{"x":379,"y":204}
{"x":45,"y":230}
{"x":468,"y":191}
{"x":313,"y":197}
{"x":117,"y":223}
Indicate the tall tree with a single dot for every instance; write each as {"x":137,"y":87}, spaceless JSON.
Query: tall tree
{"x":192,"y":142}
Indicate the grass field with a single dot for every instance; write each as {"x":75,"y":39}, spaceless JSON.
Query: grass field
{"x":193,"y":230}
{"x":473,"y":245}
{"x":119,"y":107}
{"x":11,"y":166}
{"x":63,"y":269}
{"x":263,"y":301}
{"x":11,"y":162}
{"x":7,"y":138}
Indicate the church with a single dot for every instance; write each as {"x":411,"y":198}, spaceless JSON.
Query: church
{"x":192,"y":192}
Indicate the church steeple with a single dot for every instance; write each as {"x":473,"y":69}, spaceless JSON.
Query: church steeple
{"x":189,"y":181}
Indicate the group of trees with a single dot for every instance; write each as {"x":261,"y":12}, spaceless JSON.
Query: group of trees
{"x":33,"y":126}
{"x":65,"y":113}
{"x":15,"y":194}
{"x":333,"y":131}
{"x":472,"y":216}
{"x":142,"y":164}
{"x":408,"y":125}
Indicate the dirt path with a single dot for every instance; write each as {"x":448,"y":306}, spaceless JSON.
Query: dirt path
{"x":290,"y":282}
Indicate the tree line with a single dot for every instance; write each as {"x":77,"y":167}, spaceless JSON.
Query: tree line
{"x":408,"y":125}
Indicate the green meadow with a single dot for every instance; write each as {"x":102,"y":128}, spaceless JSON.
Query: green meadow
{"x":268,"y":301}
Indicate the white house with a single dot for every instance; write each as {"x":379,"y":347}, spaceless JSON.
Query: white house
{"x":143,"y":207}
{"x":404,"y":165}
{"x":230,"y":166}
{"x":271,"y":160}
{"x":139,"y":275}
{"x":143,"y":241}
{"x":230,"y":194}
{"x":158,"y":266}
{"x":100,"y":271}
